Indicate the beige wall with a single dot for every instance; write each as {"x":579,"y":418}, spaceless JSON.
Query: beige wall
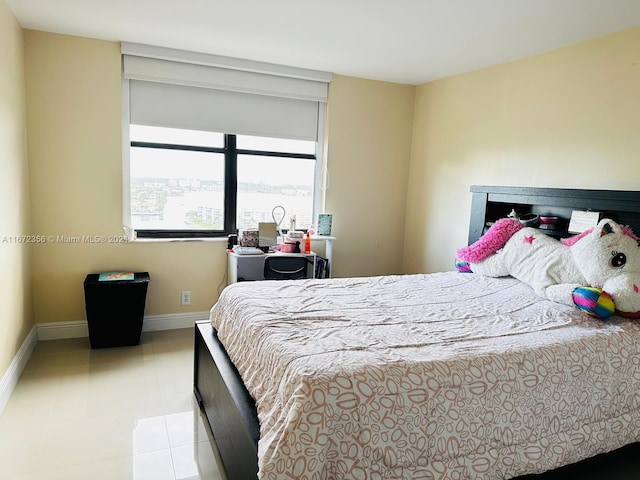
{"x":369,"y":131}
{"x":74,"y":118}
{"x":567,"y":118}
{"x":73,"y":99}
{"x":16,"y":318}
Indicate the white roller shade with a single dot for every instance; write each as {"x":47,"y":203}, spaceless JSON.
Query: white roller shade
{"x":178,"y":106}
{"x":170,"y":88}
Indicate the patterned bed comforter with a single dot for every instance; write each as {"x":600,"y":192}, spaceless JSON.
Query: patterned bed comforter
{"x":440,"y":376}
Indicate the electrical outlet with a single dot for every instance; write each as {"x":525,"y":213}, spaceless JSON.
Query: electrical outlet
{"x":185,"y":297}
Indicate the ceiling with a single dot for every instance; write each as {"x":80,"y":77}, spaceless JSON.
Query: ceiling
{"x":404,"y":41}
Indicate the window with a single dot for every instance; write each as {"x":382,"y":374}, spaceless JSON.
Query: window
{"x":178,"y":184}
{"x":274,"y":172}
{"x":211,"y":144}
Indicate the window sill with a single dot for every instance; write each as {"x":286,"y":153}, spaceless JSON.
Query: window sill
{"x":180,"y":240}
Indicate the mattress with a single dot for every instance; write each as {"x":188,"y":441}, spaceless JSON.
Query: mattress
{"x":438,"y":376}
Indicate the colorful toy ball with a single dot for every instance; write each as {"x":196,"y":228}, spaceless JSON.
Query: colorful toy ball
{"x":462,"y":266}
{"x":594,"y":301}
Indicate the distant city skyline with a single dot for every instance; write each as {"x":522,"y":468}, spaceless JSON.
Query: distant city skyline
{"x":176,"y":202}
{"x":177,"y":189}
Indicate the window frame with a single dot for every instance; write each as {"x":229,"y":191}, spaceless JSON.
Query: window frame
{"x":231,"y":153}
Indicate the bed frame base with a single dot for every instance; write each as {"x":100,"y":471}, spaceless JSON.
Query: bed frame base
{"x":229,"y":409}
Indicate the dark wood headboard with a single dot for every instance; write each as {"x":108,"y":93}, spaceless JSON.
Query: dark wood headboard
{"x":489,"y":204}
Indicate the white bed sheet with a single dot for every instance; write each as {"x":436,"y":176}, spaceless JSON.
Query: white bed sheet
{"x":439,"y":376}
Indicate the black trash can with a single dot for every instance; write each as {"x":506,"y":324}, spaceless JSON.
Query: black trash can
{"x":115,"y":309}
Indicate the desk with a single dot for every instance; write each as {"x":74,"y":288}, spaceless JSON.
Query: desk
{"x":251,"y":267}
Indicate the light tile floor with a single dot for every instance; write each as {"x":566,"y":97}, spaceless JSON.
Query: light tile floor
{"x":114,"y":414}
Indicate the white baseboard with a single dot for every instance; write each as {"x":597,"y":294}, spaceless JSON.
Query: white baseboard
{"x":170,"y":321}
{"x":60,"y":330}
{"x":151,"y":323}
{"x":11,"y":376}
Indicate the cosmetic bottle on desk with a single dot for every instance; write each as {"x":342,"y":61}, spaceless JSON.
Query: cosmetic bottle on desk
{"x":307,"y":244}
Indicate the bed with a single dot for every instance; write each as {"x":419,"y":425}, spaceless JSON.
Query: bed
{"x":443,"y":375}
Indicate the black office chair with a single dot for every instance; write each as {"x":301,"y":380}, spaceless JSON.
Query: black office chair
{"x":285,"y":268}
